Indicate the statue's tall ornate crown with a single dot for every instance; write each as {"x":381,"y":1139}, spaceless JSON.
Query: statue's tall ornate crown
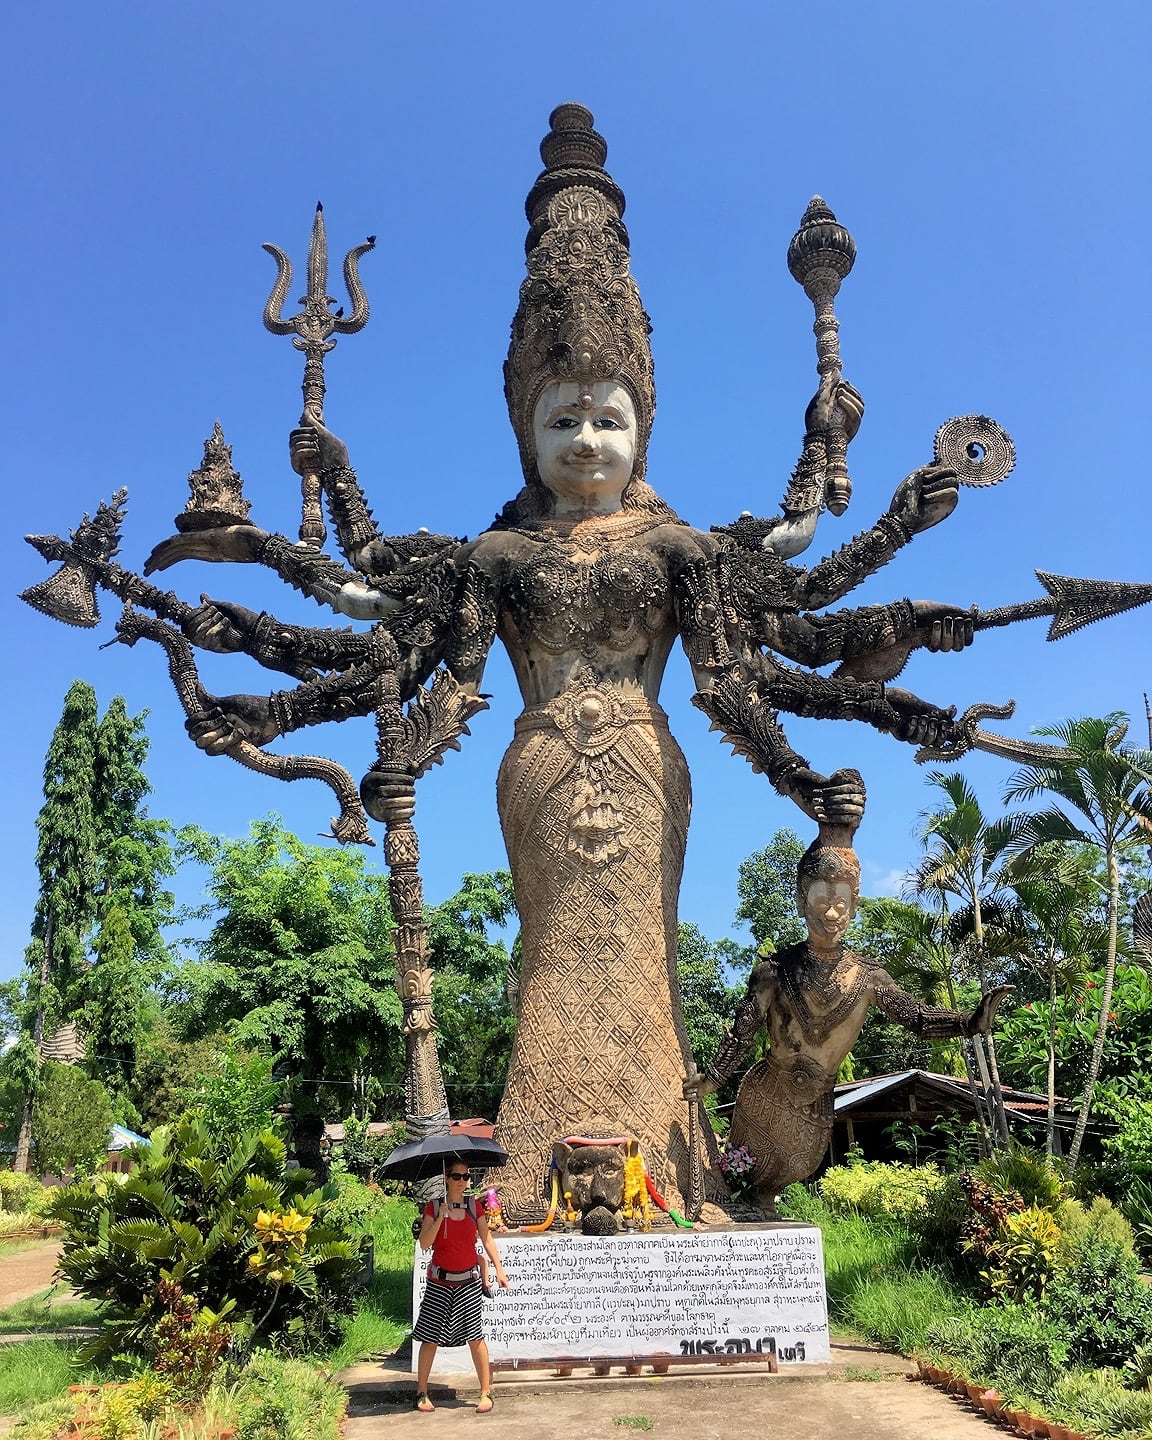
{"x":580,"y":316}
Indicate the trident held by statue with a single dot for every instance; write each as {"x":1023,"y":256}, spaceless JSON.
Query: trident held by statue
{"x":312,"y":329}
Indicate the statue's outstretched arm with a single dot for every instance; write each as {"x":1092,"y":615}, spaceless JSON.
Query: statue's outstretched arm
{"x":935,"y":1022}
{"x":924,"y":499}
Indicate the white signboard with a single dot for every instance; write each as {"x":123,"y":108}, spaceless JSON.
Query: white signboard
{"x":697,"y":1292}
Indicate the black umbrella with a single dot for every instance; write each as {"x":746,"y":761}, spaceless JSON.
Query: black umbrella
{"x":424,"y":1159}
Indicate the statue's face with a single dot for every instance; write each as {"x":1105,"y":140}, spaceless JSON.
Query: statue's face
{"x":585,"y":438}
{"x":828,"y":907}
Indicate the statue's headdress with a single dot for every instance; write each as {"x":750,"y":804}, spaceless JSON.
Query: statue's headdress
{"x":822,"y":861}
{"x":580,"y":316}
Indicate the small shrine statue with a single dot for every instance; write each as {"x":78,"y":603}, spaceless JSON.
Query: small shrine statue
{"x":813,"y":999}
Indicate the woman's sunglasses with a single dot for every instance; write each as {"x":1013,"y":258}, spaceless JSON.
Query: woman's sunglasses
{"x":458,"y":1174}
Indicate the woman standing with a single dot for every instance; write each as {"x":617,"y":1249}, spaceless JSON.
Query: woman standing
{"x":452,"y":1311}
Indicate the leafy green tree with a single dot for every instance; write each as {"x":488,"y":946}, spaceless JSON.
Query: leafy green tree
{"x":767,"y":889}
{"x":234,"y":1094}
{"x":299,"y":962}
{"x":67,"y":852}
{"x":72,"y":1121}
{"x":473,"y":974}
{"x":1101,"y":796}
{"x":912,"y":945}
{"x":707,"y":998}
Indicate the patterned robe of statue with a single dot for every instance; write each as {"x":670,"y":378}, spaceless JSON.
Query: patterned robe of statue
{"x":594,"y":798}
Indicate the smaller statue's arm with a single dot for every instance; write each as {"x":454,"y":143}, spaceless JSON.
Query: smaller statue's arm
{"x":934,"y":1022}
{"x":746,"y":1025}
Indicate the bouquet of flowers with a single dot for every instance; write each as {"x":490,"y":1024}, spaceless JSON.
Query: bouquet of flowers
{"x":737,"y":1162}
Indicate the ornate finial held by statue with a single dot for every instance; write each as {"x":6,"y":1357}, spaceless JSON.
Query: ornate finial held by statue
{"x":820,"y":255}
{"x":821,"y":243}
{"x":216,"y":497}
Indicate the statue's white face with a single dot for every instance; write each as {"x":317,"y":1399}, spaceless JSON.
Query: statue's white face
{"x":585,"y":437}
{"x":828,"y":907}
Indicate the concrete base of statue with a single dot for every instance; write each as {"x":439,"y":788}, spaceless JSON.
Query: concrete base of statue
{"x":748,"y":1291}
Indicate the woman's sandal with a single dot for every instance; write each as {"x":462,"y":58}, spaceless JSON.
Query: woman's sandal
{"x":486,"y":1403}
{"x":423,"y":1404}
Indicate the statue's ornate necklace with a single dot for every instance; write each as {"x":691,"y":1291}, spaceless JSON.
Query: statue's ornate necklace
{"x":823,"y":988}
{"x":587,"y":591}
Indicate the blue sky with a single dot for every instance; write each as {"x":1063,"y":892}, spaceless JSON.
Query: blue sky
{"x":990,"y":160}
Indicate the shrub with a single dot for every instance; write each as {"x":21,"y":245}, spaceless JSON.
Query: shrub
{"x":355,"y":1203}
{"x":875,"y":1188}
{"x":1137,"y":1207}
{"x":1022,"y":1257}
{"x":234,"y":1226}
{"x":945,"y":1210}
{"x":363,"y":1154}
{"x":1100,"y":1304}
{"x":71,"y":1121}
{"x":1097,"y":1401}
{"x":235,"y":1096}
{"x":21,"y":1193}
{"x":1101,"y":1222}
{"x":1029,"y":1174}
{"x":1011,"y":1346}
{"x":286,"y":1400}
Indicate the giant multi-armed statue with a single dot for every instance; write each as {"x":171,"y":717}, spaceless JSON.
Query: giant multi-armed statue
{"x":587,"y":578}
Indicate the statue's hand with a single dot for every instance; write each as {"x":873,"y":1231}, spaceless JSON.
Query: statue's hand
{"x":984,"y":1014}
{"x":241,"y":543}
{"x":231,"y":719}
{"x":835,"y":403}
{"x":220,"y":625}
{"x":696,"y":1086}
{"x":313,"y":448}
{"x":836,"y":799}
{"x":920,"y":723}
{"x":925,"y":498}
{"x":943,"y":627}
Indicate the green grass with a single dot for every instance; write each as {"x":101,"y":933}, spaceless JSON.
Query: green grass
{"x":40,"y":1369}
{"x":36,"y":1314}
{"x":383,"y":1319}
{"x":881,"y":1283}
{"x":13,"y":1246}
{"x":633,"y":1422}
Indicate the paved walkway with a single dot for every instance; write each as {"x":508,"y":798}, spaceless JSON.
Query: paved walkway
{"x":27,"y":1272}
{"x":865,"y":1393}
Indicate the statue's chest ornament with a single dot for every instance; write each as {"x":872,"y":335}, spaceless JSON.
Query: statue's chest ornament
{"x":834,"y":997}
{"x":563,"y":597}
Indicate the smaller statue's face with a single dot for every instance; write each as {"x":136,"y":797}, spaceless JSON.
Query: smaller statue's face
{"x":595,"y":1176}
{"x":585,"y":438}
{"x":828,"y":907}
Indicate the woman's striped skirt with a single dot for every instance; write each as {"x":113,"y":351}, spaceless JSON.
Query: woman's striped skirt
{"x":451,"y":1314}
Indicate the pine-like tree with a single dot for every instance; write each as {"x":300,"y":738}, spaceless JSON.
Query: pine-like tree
{"x":132,"y":907}
{"x":66,"y":857}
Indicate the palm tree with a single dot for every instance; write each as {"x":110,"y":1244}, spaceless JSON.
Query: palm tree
{"x":916,"y":951}
{"x":1055,"y":888}
{"x":964,"y":847}
{"x":1102,"y":791}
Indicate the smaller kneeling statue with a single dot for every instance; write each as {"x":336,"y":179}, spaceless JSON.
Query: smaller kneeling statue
{"x":813,"y":999}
